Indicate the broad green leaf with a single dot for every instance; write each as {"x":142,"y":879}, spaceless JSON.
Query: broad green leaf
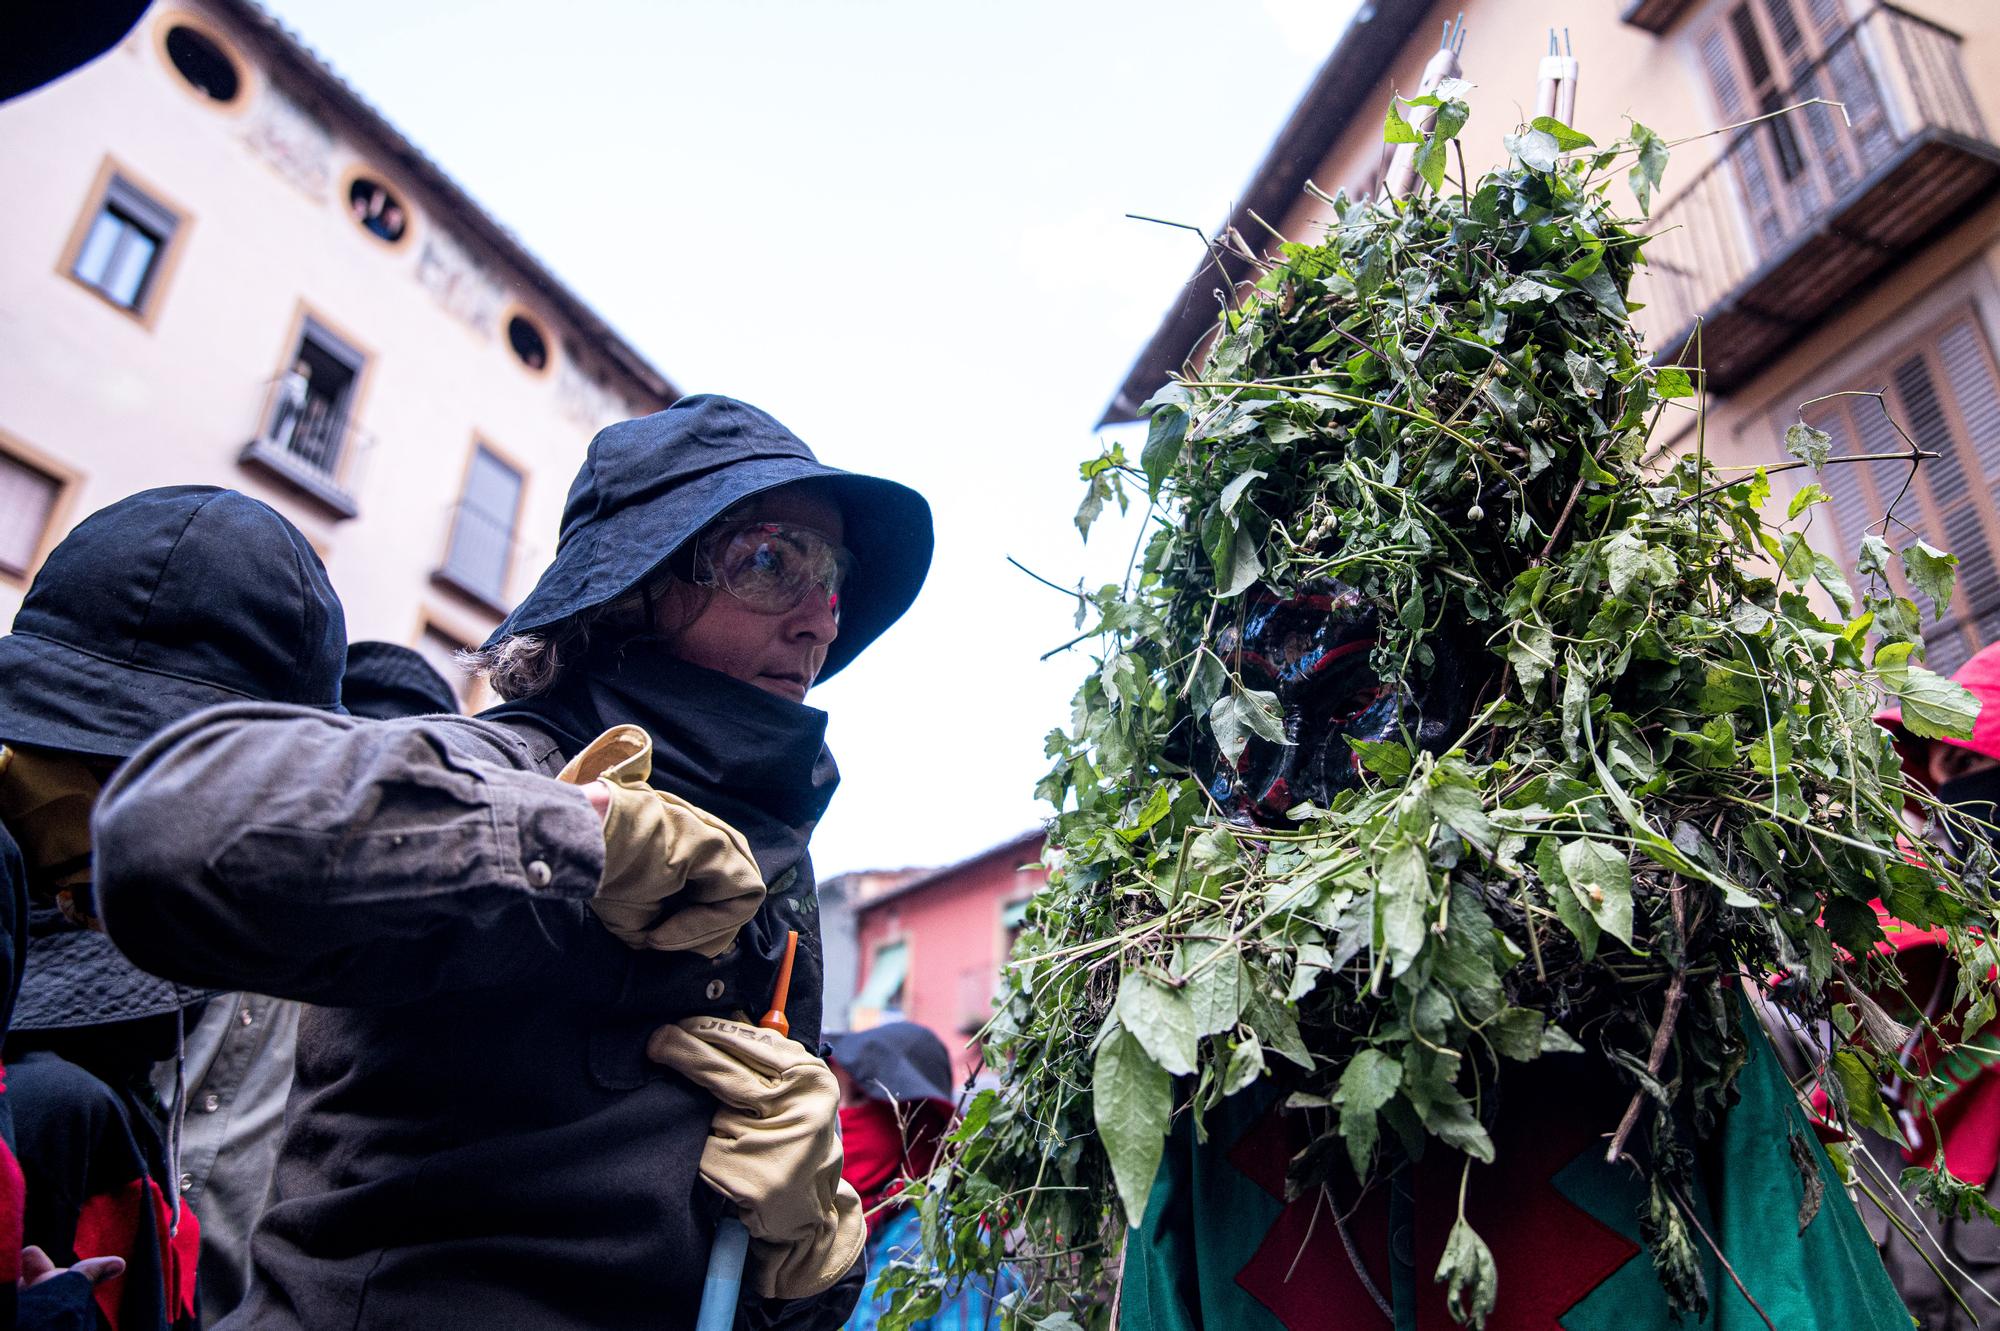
{"x":1367,"y":1083}
{"x":1131,"y":1097}
{"x":1160,"y":1018}
{"x":1244,"y":567}
{"x":1567,"y":139}
{"x":1828,"y":575}
{"x":1403,"y":904}
{"x":1460,"y":808}
{"x":1215,"y":984}
{"x":1516,"y":1033}
{"x":1395,"y":129}
{"x":1386,"y":758}
{"x":1931,"y":571}
{"x":1246,"y":1065}
{"x":1537,"y":149}
{"x":1469,"y":1274}
{"x":1233,"y":492}
{"x":1808,"y":444}
{"x":1165,"y":434}
{"x":1532,"y":654}
{"x":1771,"y":752}
{"x":1602,"y":881}
{"x":1807,"y":496}
{"x":1873,"y":557}
{"x":1864,"y":1097}
{"x":1644,"y":177}
{"x":1672,"y":382}
{"x":1934,"y":707}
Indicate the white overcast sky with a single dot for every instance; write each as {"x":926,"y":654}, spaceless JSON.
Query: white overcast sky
{"x":898,"y":226}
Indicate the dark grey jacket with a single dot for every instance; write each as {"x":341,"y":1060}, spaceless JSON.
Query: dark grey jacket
{"x":475,"y":1137}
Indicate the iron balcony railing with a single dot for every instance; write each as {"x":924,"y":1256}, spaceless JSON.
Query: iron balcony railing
{"x":1898,"y":77}
{"x":308,"y":442}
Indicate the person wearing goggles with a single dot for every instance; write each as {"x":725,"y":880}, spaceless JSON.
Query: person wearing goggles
{"x":524,"y":1091}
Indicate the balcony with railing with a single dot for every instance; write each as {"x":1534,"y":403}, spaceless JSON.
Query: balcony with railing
{"x":307,"y":443}
{"x":1803,"y":212}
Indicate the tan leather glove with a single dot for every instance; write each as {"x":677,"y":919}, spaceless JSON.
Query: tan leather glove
{"x":773,"y":1150}
{"x":676,"y":878}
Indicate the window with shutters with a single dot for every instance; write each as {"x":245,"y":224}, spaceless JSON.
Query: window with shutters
{"x":1762,"y":55}
{"x":1944,"y":391}
{"x":121,"y":250}
{"x":481,"y":551}
{"x":29,"y":498}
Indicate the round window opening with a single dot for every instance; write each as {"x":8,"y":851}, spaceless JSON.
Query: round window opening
{"x":528,"y":343}
{"x":205,"y":65}
{"x":377,"y":209}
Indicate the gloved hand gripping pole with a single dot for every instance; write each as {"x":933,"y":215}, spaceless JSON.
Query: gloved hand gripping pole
{"x":723,"y":1285}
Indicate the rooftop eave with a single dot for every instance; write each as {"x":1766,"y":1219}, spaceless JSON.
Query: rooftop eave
{"x":1370,"y":43}
{"x":1655,"y":16}
{"x":288,"y":53}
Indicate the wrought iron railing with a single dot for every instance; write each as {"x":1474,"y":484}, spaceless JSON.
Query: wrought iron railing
{"x":1895,"y":76}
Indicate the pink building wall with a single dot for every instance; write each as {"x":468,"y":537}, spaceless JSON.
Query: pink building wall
{"x":953,"y":923}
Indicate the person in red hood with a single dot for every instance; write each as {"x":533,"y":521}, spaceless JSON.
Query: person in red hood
{"x":896,"y":1105}
{"x":1953,"y":1119}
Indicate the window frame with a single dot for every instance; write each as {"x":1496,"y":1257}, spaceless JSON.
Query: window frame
{"x":899,"y":941}
{"x":68,"y":483}
{"x":444,"y":575}
{"x":362,"y":169}
{"x":513,"y":310}
{"x":117,"y":186}
{"x":249,"y":78}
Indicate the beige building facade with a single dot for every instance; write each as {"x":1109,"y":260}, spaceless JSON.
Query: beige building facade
{"x":221,"y":266}
{"x":1854,"y":249}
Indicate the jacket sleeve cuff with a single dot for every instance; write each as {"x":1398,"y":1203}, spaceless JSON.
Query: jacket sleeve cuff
{"x":559,"y":839}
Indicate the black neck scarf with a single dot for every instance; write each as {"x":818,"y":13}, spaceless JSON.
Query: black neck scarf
{"x":754,"y":760}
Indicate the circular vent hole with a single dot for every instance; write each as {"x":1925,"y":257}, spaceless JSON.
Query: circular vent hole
{"x":528,"y":343}
{"x":376,"y":207}
{"x":205,"y":65}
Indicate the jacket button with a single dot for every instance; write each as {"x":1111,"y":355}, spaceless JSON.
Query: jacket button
{"x":539,"y":873}
{"x":187,"y":1181}
{"x":247,"y":1017}
{"x":714,"y":990}
{"x":211,"y":1102}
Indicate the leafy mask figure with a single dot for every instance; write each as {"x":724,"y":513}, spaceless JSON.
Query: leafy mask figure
{"x":1313,"y":651}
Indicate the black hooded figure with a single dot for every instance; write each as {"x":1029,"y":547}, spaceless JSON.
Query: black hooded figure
{"x":154,"y":608}
{"x":481,"y":1133}
{"x":386,"y":680}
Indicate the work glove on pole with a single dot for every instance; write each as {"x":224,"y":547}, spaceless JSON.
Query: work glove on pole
{"x":676,"y":878}
{"x":773,"y":1149}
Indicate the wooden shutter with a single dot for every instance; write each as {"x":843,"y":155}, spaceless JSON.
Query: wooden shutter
{"x":1944,"y":392}
{"x":1763,"y":55}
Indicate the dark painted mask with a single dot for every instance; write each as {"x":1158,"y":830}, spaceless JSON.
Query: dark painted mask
{"x":1313,"y":651}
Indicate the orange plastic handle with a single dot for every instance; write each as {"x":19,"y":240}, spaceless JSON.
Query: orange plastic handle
{"x":781,"y":993}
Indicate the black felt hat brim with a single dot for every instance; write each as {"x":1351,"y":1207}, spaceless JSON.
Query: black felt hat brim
{"x":55,"y":696}
{"x":888,"y":530}
{"x":76,"y":977}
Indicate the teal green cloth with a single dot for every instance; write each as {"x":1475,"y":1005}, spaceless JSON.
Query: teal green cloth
{"x":1206,"y":1241}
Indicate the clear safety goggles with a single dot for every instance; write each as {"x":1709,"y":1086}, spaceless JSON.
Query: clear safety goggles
{"x":771,"y":566}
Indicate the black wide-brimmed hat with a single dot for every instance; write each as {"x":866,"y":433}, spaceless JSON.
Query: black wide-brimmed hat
{"x":385,"y":680}
{"x":76,"y":977}
{"x":155,"y":607}
{"x":650,"y":485}
{"x":898,"y":1060}
{"x":162,"y":604}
